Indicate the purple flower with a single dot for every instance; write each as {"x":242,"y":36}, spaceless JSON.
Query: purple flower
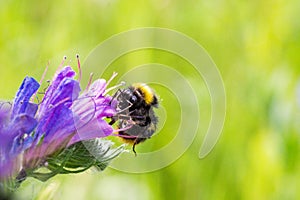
{"x":32,"y":132}
{"x":16,"y":124}
{"x":90,"y":110}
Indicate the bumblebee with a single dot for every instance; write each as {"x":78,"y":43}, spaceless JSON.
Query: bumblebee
{"x":135,"y":115}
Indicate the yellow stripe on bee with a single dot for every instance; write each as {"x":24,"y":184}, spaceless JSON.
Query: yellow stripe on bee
{"x":147,"y":92}
{"x":127,"y":140}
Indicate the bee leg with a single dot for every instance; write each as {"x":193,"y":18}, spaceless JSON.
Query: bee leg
{"x":113,"y":120}
{"x":127,"y":108}
{"x":116,"y":95}
{"x":133,"y":147}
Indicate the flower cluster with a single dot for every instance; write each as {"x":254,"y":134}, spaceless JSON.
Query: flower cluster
{"x":50,"y":134}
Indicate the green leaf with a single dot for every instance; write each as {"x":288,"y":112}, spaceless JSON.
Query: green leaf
{"x":78,"y":158}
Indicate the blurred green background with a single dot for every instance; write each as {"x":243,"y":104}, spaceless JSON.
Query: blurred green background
{"x":256,"y":47}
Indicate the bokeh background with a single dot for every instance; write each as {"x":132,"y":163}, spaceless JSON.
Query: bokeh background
{"x":256,"y":47}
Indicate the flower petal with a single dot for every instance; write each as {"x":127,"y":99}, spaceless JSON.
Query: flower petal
{"x":58,"y":117}
{"x":94,"y":129}
{"x":21,"y":103}
{"x":97,"y":88}
{"x":66,"y":72}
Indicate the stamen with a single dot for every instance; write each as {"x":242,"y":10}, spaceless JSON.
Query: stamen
{"x":114,"y":87}
{"x":45,"y":71}
{"x":90,"y":82}
{"x":79,"y":68}
{"x":112,"y":77}
{"x":41,"y":80}
{"x":61,"y":64}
